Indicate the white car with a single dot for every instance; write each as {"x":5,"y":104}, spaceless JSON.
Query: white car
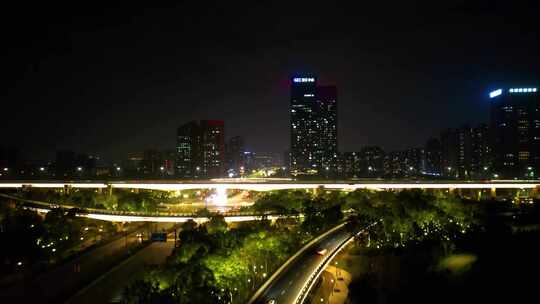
{"x":322,"y":251}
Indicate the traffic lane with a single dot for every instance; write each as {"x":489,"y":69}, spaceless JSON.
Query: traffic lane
{"x":289,"y":294}
{"x":289,"y":284}
{"x":111,"y":285}
{"x":287,"y":287}
{"x":60,"y":282}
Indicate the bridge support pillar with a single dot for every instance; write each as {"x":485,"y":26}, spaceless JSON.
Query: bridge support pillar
{"x":67,"y":189}
{"x":109,"y":190}
{"x":493,"y":192}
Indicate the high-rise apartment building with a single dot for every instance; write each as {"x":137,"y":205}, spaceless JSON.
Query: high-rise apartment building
{"x":200,"y":149}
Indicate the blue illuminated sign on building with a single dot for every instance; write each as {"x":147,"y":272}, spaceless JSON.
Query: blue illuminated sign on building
{"x":512,"y":91}
{"x":495,"y":93}
{"x":303,"y":79}
{"x":522,"y":90}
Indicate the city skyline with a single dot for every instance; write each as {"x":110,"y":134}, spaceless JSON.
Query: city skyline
{"x":132,"y":70}
{"x":270,"y":152}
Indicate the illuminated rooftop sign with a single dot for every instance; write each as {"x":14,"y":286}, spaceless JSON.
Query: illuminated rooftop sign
{"x":302,"y":79}
{"x":495,"y":93}
{"x":522,"y":90}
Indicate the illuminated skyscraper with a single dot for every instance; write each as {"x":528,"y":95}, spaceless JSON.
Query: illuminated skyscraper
{"x":188,"y":150}
{"x":313,"y":128}
{"x":200,"y":149}
{"x":515,"y":125}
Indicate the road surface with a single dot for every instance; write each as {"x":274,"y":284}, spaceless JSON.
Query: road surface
{"x":61,"y":282}
{"x":287,"y":287}
{"x":110,"y":286}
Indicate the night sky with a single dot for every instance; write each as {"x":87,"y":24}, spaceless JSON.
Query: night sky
{"x":116,"y":80}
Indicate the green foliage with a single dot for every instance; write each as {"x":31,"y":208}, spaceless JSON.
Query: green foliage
{"x":216,"y":224}
{"x":409,"y":215}
{"x":282,"y":201}
{"x":214,"y":263}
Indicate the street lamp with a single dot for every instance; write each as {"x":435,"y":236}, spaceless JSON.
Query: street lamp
{"x":79,"y":169}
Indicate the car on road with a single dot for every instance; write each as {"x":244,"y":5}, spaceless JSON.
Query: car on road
{"x":322,"y":251}
{"x":271,"y":301}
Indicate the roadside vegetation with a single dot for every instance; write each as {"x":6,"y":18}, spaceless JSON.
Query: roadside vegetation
{"x":33,"y":242}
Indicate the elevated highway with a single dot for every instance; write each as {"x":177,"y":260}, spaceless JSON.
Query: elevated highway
{"x":292,"y":282}
{"x":269,"y":185}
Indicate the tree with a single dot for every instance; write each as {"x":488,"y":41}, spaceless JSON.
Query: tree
{"x":217,"y":224}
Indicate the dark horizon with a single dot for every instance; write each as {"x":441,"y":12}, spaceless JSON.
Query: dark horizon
{"x":118,"y":80}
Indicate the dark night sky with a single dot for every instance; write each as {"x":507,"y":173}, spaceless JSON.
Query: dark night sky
{"x":117,"y":80}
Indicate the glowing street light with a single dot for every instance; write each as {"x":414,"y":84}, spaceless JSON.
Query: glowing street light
{"x":118,"y":168}
{"x":41,"y":169}
{"x":79,"y":169}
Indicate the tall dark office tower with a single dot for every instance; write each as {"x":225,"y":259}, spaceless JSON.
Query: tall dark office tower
{"x":213,"y":148}
{"x":313,"y":127}
{"x":449,"y":153}
{"x":464,"y":151}
{"x":433,"y":157}
{"x":515,"y":126}
{"x":235,"y":158}
{"x":328,"y":145}
{"x":200,"y":149}
{"x":188,"y":150}
{"x":481,"y":152}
